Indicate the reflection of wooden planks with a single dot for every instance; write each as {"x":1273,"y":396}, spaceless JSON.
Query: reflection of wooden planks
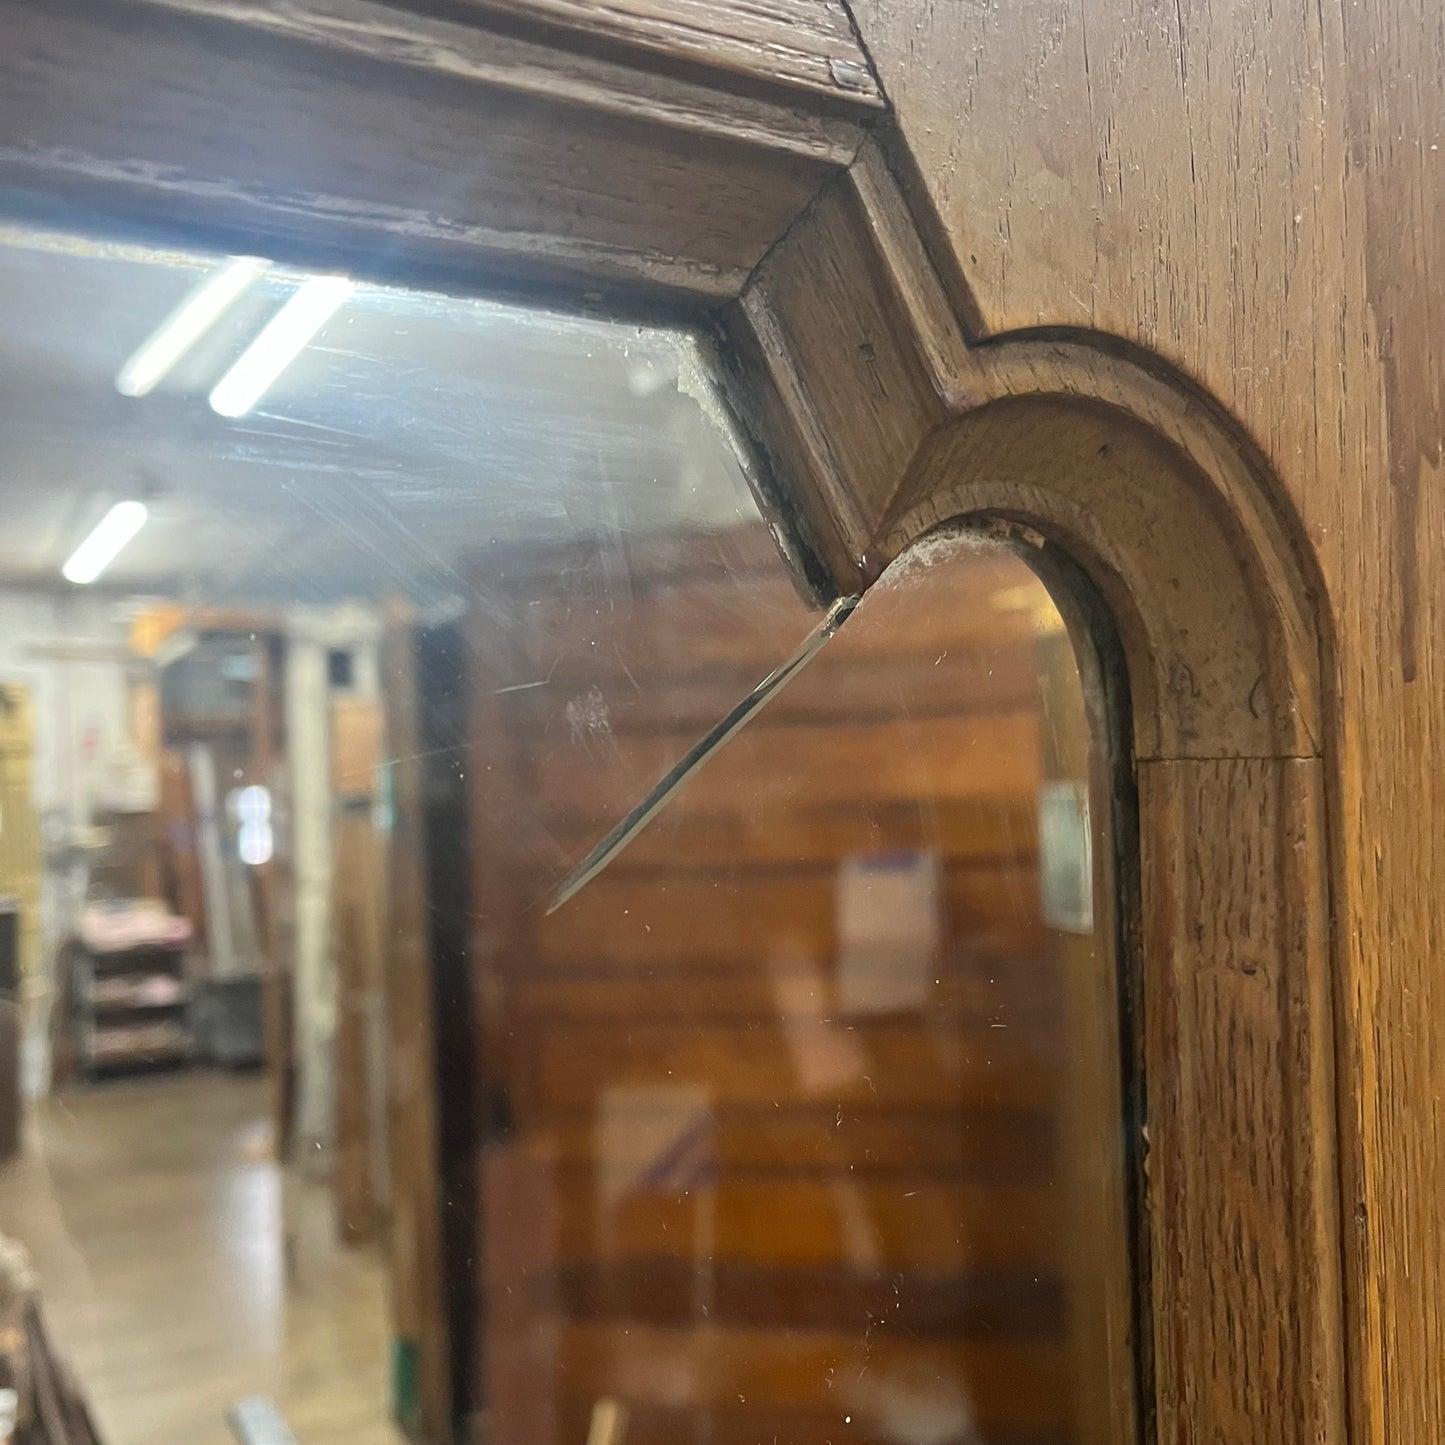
{"x":898,"y":1065}
{"x":979,"y":1303}
{"x":767,"y":921}
{"x":978,"y":828}
{"x":977,"y":1143}
{"x":423,"y":1401}
{"x":1020,"y":990}
{"x":801,"y":767}
{"x":955,"y":681}
{"x":845,"y":1170}
{"x":711,"y":622}
{"x":941,"y":1228}
{"x":1022,"y":1384}
{"x":740,"y":1424}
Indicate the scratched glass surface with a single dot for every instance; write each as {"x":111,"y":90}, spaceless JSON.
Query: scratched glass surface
{"x":340,"y":624}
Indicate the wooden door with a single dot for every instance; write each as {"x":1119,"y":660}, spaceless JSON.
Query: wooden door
{"x":1156,"y":300}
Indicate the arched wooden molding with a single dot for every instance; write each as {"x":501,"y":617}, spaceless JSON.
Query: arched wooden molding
{"x":853,"y":370}
{"x":1209,"y":667}
{"x":876,"y":400}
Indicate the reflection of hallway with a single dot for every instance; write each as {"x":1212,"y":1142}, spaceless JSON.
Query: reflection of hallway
{"x":152,"y":1210}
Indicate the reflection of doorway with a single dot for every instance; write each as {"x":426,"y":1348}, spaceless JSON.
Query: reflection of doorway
{"x":157,"y":1216}
{"x":187,"y":1257}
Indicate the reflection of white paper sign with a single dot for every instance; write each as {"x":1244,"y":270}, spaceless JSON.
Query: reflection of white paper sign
{"x":655,"y":1138}
{"x":1066,"y":857}
{"x":889,"y":931}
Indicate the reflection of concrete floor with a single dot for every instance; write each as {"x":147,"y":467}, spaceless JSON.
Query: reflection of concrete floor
{"x":154,"y":1215}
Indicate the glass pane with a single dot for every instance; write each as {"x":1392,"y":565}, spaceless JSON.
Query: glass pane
{"x":341,"y":622}
{"x":815,"y":1121}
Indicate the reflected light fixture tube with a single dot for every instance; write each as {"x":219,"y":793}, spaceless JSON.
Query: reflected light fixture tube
{"x":282,"y":339}
{"x":206,"y":303}
{"x":103,"y":545}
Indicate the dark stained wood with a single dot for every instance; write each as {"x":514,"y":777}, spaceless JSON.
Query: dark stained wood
{"x":663,"y":1291}
{"x":741,"y":1425}
{"x":796,"y":1222}
{"x":355,"y":914}
{"x":1238,"y":1135}
{"x":415,"y":138}
{"x":418,"y":1288}
{"x":183,"y":864}
{"x":800,"y":44}
{"x":1025,"y":988}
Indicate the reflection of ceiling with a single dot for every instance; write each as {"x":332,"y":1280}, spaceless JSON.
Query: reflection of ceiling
{"x":413,"y":429}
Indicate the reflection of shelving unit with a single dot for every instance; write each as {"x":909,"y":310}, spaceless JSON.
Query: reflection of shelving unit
{"x":132,"y":1006}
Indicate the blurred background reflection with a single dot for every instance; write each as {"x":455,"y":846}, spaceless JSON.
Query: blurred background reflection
{"x":339,"y":623}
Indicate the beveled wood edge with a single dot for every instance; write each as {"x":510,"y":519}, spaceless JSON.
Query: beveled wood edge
{"x":218,"y":180}
{"x":462,"y":44}
{"x":814,"y":48}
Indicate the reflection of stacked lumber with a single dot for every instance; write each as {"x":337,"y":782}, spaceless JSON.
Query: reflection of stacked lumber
{"x":39,"y":1402}
{"x":131,"y":992}
{"x":785,"y":1079}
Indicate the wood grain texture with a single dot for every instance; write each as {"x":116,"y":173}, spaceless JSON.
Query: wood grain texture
{"x":1241,"y":1102}
{"x":414,"y":138}
{"x":1257,"y":194}
{"x":1204,"y":218}
{"x":806,"y":45}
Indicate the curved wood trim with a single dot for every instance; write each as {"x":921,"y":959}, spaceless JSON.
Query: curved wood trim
{"x":875,"y":397}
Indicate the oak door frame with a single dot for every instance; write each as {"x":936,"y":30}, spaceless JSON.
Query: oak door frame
{"x":743,"y":176}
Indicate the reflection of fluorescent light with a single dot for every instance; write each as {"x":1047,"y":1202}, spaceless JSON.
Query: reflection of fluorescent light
{"x":185,"y":326}
{"x":100,"y":549}
{"x":280,"y":342}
